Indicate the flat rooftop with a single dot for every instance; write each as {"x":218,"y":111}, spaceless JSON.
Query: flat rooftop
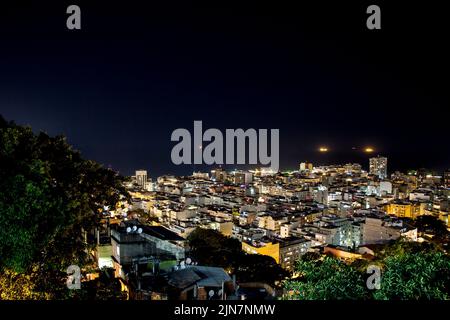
{"x":159,"y":232}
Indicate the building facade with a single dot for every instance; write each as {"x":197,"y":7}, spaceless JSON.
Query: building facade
{"x":378,"y":167}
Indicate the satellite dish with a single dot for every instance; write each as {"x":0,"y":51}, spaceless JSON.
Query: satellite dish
{"x":128,"y":230}
{"x":134,"y":228}
{"x":211,"y":293}
{"x":139,"y":230}
{"x":188,"y":261}
{"x":182,"y":265}
{"x":220,"y":292}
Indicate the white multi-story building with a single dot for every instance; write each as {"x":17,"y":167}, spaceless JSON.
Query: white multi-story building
{"x":378,"y":167}
{"x":141,"y":178}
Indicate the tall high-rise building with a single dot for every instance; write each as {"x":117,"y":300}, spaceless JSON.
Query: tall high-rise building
{"x":141,"y":178}
{"x":378,"y":167}
{"x":447,"y":178}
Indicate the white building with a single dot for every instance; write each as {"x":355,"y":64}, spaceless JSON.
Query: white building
{"x":141,"y":178}
{"x":378,"y":167}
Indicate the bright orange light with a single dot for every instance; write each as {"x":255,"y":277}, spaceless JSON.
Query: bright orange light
{"x":323,"y":149}
{"x":368,"y":150}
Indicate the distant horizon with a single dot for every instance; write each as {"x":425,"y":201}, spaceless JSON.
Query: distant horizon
{"x":118,"y":88}
{"x":318,"y":159}
{"x":208,"y":169}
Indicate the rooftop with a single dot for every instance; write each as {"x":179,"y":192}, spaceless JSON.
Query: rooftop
{"x":200,"y":275}
{"x":155,"y":231}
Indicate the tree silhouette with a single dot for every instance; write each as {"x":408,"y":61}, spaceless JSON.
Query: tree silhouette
{"x":49,"y":195}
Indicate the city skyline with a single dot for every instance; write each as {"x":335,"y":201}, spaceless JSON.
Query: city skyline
{"x":221,"y":157}
{"x":117,"y":88}
{"x":321,"y":156}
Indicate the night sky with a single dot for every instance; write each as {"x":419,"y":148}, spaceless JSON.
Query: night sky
{"x":121,"y":85}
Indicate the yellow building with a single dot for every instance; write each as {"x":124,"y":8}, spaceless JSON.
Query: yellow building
{"x":267,"y":249}
{"x":405,"y":209}
{"x":444,"y":216}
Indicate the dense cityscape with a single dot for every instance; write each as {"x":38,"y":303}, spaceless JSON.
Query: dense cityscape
{"x":73,"y":229}
{"x":213,"y":154}
{"x":341,"y":211}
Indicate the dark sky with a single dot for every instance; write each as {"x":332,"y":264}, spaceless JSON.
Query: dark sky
{"x":134,"y":73}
